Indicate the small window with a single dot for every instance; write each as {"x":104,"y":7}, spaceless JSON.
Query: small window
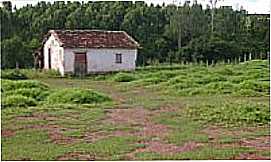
{"x":118,"y":58}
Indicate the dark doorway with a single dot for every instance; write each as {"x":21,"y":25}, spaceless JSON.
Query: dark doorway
{"x":49,"y":58}
{"x":80,"y":64}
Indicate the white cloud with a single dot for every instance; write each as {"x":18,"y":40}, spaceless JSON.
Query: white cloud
{"x":252,"y":6}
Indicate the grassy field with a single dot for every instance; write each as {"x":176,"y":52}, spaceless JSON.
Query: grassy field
{"x":175,"y":112}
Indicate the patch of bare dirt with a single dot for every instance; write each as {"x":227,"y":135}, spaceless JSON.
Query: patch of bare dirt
{"x":260,"y":143}
{"x":94,"y":136}
{"x":133,"y":116}
{"x":55,"y":132}
{"x":164,"y":148}
{"x":7,"y":133}
{"x":76,"y":156}
{"x":141,"y":118}
{"x":57,"y":137}
{"x":250,"y":156}
{"x":214,"y":133}
{"x":37,"y":116}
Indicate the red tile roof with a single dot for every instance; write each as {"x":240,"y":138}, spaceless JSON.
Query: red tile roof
{"x":94,"y":39}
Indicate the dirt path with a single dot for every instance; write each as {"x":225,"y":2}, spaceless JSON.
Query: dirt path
{"x":152,"y":134}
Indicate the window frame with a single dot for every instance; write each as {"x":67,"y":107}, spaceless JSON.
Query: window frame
{"x":118,"y":58}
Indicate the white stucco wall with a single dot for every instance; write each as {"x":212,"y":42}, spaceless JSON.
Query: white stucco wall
{"x":57,"y":55}
{"x":101,"y":60}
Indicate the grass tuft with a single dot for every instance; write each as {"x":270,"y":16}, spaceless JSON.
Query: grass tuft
{"x":77,"y":96}
{"x":17,"y":101}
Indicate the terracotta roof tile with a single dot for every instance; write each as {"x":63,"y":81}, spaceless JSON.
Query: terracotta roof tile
{"x":94,"y":39}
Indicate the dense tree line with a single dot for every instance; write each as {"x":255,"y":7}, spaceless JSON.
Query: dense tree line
{"x":166,"y":33}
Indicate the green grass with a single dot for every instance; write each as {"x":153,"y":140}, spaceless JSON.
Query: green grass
{"x":13,"y":74}
{"x":8,"y":85}
{"x":247,"y":79}
{"x":112,"y":148}
{"x":35,"y":145}
{"x":35,"y":93}
{"x":205,"y":153}
{"x":22,"y":93}
{"x":77,"y":96}
{"x":19,"y":74}
{"x":32,"y":145}
{"x":230,"y":113}
{"x":17,"y":101}
{"x":124,"y":77}
{"x":230,"y":97}
{"x":183,"y":129}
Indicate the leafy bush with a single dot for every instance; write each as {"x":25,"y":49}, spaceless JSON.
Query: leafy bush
{"x":247,"y":92}
{"x":33,"y":73}
{"x":19,"y":74}
{"x":148,"y":81}
{"x":8,"y":85}
{"x":240,"y":80}
{"x":124,"y":77}
{"x":12,"y":74}
{"x":231,"y":113}
{"x":176,"y":80}
{"x":225,"y":71}
{"x":220,"y":86}
{"x":17,"y":101}
{"x":184,"y":84}
{"x":35,"y":93}
{"x":258,"y":86}
{"x":77,"y":96}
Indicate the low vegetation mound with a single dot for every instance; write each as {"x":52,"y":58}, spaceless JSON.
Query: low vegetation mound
{"x":244,"y":79}
{"x":77,"y":96}
{"x":17,"y":101}
{"x":32,"y":73}
{"x":8,"y":85}
{"x":231,"y":113}
{"x":35,"y":93}
{"x":22,"y":93}
{"x":19,"y":74}
{"x":124,"y":77}
{"x":12,"y":74}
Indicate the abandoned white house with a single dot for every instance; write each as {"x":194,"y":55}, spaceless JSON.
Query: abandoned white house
{"x":89,"y":51}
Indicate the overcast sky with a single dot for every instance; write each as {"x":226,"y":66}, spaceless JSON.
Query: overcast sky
{"x":252,"y":6}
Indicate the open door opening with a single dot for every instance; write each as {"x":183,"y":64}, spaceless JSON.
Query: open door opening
{"x":80,"y":64}
{"x":49,"y":58}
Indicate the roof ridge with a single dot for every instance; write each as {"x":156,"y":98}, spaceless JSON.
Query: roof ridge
{"x":94,"y":38}
{"x":76,"y":30}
